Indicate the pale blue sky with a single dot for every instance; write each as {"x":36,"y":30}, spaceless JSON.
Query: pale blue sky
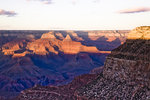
{"x":74,"y":14}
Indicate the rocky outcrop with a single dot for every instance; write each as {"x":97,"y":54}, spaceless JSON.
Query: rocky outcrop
{"x":131,"y":61}
{"x":49,"y":35}
{"x":71,"y":47}
{"x":42,"y":46}
{"x":67,"y":38}
{"x":126,"y":71}
{"x":59,"y":36}
{"x":10,"y":47}
{"x":142,"y":32}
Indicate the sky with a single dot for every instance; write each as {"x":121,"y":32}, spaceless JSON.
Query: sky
{"x":74,"y":14}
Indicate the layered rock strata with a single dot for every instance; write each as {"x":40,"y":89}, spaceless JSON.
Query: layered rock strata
{"x":45,"y":46}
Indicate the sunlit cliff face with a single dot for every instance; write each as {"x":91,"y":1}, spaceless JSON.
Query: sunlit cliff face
{"x":47,"y":44}
{"x":142,"y":32}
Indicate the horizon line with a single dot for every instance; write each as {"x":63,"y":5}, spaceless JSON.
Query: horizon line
{"x":62,"y":29}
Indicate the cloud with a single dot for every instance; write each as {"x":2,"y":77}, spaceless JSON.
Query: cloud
{"x":135,"y":10}
{"x":74,"y":2}
{"x":43,"y":1}
{"x":7,"y":13}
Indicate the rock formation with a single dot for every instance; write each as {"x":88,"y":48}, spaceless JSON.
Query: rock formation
{"x":10,"y":47}
{"x":59,"y":36}
{"x":67,"y":38}
{"x":126,"y":75}
{"x":42,"y":46}
{"x":140,"y":33}
{"x":76,"y":37}
{"x":131,"y":59}
{"x":49,"y":35}
{"x":47,"y":44}
{"x":71,"y":47}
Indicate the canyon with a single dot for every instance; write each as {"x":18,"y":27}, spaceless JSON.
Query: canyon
{"x":124,"y":76}
{"x":53,"y":59}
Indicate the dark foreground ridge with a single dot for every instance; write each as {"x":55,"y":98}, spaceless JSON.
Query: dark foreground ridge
{"x":126,"y":76}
